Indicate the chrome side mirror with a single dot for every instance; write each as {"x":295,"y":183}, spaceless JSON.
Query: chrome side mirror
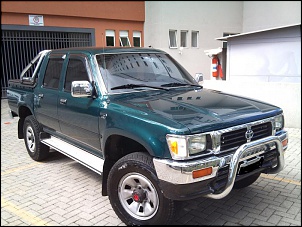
{"x":199,"y":77}
{"x":81,"y":89}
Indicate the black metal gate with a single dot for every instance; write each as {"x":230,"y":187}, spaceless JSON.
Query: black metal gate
{"x":19,"y":47}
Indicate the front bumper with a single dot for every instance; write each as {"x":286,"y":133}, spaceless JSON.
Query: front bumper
{"x":177,"y":182}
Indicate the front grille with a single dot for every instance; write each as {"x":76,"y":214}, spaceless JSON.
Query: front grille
{"x":261,"y":131}
{"x":234,"y":139}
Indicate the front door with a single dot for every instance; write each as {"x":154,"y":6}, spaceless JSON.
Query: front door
{"x":79,"y":116}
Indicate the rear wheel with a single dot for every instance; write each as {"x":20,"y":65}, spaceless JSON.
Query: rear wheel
{"x":31,"y":129}
{"x":134,"y":192}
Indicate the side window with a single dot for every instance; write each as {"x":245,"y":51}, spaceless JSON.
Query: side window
{"x":52,"y":73}
{"x":76,"y":70}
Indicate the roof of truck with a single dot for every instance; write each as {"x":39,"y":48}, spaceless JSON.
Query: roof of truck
{"x":107,"y":50}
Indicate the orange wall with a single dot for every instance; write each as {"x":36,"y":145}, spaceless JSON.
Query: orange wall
{"x":120,"y":10}
{"x":98,"y":15}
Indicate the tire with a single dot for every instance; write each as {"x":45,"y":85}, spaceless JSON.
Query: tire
{"x":31,"y":130}
{"x":134,"y":193}
{"x":246,"y":181}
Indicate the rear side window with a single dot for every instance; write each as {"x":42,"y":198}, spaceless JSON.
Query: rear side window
{"x":76,"y":71}
{"x":53,"y":73}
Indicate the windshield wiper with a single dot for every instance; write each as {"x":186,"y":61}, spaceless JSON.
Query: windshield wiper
{"x":180,"y":84}
{"x":131,"y":86}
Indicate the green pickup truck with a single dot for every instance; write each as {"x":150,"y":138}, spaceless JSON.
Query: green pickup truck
{"x":138,"y":118}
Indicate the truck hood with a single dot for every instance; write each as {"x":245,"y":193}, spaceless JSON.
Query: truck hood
{"x":198,"y":110}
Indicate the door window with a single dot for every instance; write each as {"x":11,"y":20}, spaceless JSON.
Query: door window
{"x":53,"y":72}
{"x":76,"y":70}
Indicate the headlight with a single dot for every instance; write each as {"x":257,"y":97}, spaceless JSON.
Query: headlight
{"x":279,"y":123}
{"x":197,"y":144}
{"x":181,"y":147}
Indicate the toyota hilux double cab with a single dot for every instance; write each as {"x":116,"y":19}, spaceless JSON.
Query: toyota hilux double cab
{"x":138,"y":118}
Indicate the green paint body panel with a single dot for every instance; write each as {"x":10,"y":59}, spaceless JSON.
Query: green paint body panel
{"x":145,"y":116}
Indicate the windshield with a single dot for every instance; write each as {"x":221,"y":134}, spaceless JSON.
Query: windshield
{"x":143,"y":70}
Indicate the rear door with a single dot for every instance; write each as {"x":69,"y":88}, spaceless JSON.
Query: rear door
{"x":46,"y":92}
{"x":79,"y":117}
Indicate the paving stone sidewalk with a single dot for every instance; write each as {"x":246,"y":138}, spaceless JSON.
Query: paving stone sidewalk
{"x":62,"y":192}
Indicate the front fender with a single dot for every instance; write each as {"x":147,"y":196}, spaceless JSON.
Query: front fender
{"x":156,"y":146}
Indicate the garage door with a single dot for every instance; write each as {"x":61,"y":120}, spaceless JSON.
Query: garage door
{"x":19,"y":47}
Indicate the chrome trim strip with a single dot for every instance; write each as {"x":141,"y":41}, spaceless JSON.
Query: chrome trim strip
{"x":91,"y":161}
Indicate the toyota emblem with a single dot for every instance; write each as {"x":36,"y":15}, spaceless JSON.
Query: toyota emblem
{"x":249,"y":134}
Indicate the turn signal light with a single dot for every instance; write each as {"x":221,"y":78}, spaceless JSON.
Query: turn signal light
{"x":284,"y":143}
{"x":202,"y":172}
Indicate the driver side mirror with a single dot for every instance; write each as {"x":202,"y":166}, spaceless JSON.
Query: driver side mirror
{"x":81,"y":89}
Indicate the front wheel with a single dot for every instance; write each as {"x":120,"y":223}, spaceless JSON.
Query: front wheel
{"x":31,"y":129}
{"x":134,"y":192}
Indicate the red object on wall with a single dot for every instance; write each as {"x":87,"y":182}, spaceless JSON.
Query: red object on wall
{"x":220,"y":71}
{"x":214,"y":66}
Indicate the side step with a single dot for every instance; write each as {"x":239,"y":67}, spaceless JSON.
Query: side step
{"x":91,"y":161}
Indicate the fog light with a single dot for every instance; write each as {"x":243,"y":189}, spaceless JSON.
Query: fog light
{"x":202,"y":172}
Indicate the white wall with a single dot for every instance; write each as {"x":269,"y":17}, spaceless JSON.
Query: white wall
{"x":210,"y":18}
{"x":258,"y":15}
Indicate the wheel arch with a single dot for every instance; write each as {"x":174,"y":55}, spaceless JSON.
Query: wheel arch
{"x":24,"y":111}
{"x":117,"y":145}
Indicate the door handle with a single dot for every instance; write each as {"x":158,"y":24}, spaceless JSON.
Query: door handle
{"x":40,"y":96}
{"x":63,"y":101}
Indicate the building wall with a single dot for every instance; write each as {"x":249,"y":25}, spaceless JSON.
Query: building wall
{"x":100,"y":15}
{"x":258,"y":15}
{"x":210,"y":18}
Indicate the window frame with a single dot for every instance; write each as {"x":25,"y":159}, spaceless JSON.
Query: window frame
{"x":137,"y":34}
{"x":175,"y":35}
{"x":186,"y":32}
{"x":125,"y":35}
{"x":197,"y":39}
{"x":110,"y":33}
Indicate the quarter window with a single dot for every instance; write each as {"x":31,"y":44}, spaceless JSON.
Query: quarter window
{"x":53,"y":73}
{"x":124,"y":39}
{"x":194,"y":38}
{"x":172,"y":39}
{"x":110,"y":38}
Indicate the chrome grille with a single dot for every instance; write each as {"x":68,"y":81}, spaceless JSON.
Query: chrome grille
{"x":262,"y":130}
{"x":234,"y":139}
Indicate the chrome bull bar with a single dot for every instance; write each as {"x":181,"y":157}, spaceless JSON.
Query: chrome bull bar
{"x":233,"y":165}
{"x":180,"y":172}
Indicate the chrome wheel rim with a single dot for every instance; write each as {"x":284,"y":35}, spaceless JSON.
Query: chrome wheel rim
{"x":30,"y":139}
{"x":138,"y":196}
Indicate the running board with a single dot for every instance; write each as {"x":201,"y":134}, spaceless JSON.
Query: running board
{"x":91,"y":161}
